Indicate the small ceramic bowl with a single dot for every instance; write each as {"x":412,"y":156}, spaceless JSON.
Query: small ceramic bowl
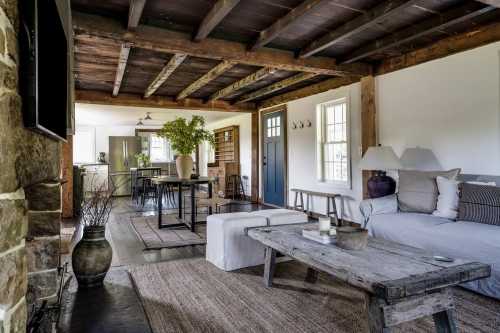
{"x":352,"y":238}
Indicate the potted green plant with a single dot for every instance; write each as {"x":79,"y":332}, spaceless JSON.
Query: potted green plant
{"x":143,"y":160}
{"x":184,"y":137}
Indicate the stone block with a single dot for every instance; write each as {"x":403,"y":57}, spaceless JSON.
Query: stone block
{"x":8,"y":75}
{"x":43,"y":224}
{"x":13,"y":277}
{"x":13,"y":223}
{"x":42,"y":253}
{"x":2,"y":44}
{"x":11,"y":10}
{"x":18,"y":318}
{"x":41,"y":285}
{"x":44,"y":197}
{"x":12,"y":47}
{"x":10,"y":128}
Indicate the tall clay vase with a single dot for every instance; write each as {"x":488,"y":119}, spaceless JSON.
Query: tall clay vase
{"x":91,"y":257}
{"x":184,"y":164}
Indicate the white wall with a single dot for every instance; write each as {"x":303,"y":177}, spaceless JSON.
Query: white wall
{"x":302,"y":171}
{"x":102,"y":134}
{"x":244,"y":121}
{"x":450,"y":105}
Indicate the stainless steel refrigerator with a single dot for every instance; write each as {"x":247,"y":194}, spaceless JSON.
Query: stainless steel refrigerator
{"x":122,"y":151}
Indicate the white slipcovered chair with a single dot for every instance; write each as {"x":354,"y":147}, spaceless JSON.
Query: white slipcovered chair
{"x":229,"y":248}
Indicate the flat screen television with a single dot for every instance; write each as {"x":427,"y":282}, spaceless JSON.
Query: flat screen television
{"x":44,"y":67}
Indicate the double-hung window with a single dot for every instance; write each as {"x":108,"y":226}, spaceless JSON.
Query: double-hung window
{"x":333,"y":143}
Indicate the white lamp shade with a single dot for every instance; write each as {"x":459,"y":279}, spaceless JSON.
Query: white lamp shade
{"x":422,"y":159}
{"x":380,"y":158}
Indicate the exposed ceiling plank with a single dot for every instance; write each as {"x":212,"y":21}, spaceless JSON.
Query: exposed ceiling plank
{"x":360,"y":23}
{"x":220,"y":9}
{"x":122,"y":64}
{"x":212,"y":74}
{"x":479,"y":36}
{"x":94,"y":28}
{"x":100,"y":97}
{"x":135,"y":13}
{"x":494,"y":3}
{"x":169,"y":68}
{"x":443,"y":21}
{"x":276,"y":86}
{"x":313,"y":89}
{"x":252,"y":78}
{"x":283,"y":23}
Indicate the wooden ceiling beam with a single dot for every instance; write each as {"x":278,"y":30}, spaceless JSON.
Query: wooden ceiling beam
{"x":164,"y":74}
{"x":211,"y":75}
{"x":122,"y":65}
{"x":479,"y":36}
{"x":494,"y":3}
{"x":360,"y":23}
{"x":276,"y":86}
{"x":93,"y":28}
{"x":454,"y":16}
{"x":220,"y":9}
{"x":283,"y":23}
{"x":313,"y":89}
{"x":136,"y":100}
{"x":252,"y":78}
{"x":135,"y":13}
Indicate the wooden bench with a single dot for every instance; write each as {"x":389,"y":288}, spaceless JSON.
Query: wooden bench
{"x":331,"y":206}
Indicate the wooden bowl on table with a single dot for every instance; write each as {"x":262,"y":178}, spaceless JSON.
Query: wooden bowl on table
{"x":352,"y":238}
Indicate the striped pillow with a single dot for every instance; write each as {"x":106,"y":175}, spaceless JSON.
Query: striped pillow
{"x":479,"y":203}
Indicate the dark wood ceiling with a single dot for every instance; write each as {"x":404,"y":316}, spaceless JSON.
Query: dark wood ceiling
{"x":97,"y":58}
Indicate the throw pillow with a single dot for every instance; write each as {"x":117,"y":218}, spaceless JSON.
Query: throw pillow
{"x":418,"y":190}
{"x":479,"y":203}
{"x":447,"y":202}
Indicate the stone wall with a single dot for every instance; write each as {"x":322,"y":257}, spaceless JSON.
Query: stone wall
{"x":30,"y":198}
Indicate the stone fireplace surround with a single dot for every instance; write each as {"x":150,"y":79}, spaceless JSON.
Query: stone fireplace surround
{"x":30,"y":195}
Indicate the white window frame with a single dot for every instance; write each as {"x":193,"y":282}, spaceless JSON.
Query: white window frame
{"x":321,"y":137}
{"x":92,"y":133}
{"x":168,"y":150}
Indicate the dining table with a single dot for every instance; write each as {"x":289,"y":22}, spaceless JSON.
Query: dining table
{"x":180,"y":183}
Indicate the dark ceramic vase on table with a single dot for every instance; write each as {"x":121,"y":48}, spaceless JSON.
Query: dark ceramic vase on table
{"x":91,"y":257}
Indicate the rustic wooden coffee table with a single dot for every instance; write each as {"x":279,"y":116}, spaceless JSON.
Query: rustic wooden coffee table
{"x":402,"y":283}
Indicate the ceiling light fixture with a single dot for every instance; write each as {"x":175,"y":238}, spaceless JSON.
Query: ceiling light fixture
{"x":148,"y":116}
{"x":140,"y":123}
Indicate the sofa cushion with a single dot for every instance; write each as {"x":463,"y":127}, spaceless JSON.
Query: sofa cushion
{"x":447,"y":202}
{"x":479,"y":203}
{"x":418,"y":190}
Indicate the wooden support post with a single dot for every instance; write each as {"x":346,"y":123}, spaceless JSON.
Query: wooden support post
{"x":368,"y":121}
{"x":269,"y":266}
{"x":255,"y":157}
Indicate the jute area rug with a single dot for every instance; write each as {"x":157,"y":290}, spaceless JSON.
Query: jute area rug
{"x":146,"y":228}
{"x":192,"y":295}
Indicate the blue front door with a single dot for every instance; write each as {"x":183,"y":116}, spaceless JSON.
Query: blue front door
{"x":273,"y":161}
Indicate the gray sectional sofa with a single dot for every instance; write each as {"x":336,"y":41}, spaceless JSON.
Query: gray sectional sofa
{"x":440,"y":236}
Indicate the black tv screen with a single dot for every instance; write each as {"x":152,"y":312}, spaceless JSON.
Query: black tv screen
{"x":44,"y":68}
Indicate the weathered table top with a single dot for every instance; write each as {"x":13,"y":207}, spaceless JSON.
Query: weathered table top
{"x":386,"y":269}
{"x":177,"y":180}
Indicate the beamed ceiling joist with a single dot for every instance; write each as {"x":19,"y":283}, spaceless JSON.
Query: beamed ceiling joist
{"x":494,"y":3}
{"x":209,"y":76}
{"x":135,"y":13}
{"x":134,"y":100}
{"x":283,"y":23}
{"x":122,"y":65}
{"x":276,"y":86}
{"x":458,"y":43}
{"x":220,"y":9}
{"x":360,"y":23}
{"x":163,"y":40}
{"x":246,"y":81}
{"x":454,"y":16}
{"x":164,"y":74}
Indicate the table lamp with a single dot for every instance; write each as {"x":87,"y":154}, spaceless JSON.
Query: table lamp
{"x":422,"y":159}
{"x":380,"y":159}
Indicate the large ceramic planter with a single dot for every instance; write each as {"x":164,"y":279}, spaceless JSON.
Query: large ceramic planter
{"x":184,"y":164}
{"x":91,"y":257}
